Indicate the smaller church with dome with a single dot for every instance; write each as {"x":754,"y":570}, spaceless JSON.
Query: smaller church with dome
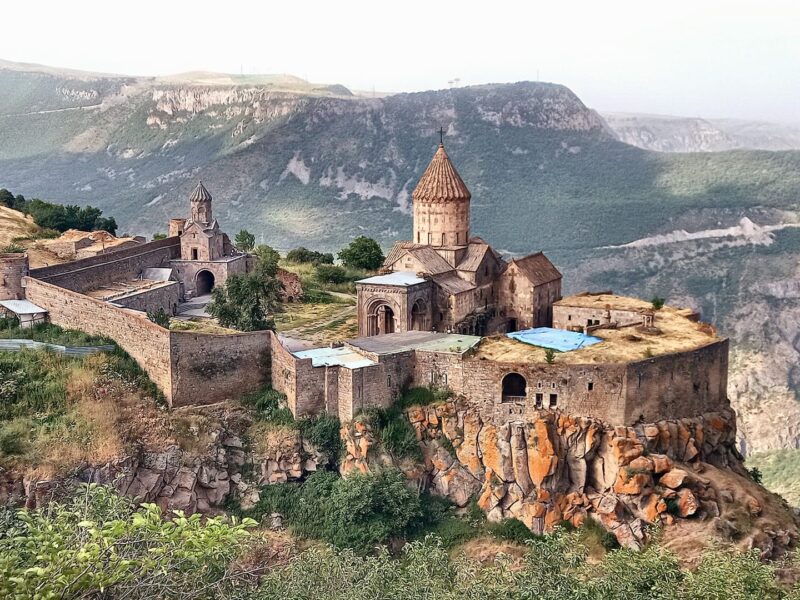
{"x":445,"y":280}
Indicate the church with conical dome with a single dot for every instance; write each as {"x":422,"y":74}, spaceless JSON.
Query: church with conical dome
{"x":446,"y":280}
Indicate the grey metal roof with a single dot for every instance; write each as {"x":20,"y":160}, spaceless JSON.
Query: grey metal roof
{"x":157,"y":274}
{"x":22,"y":307}
{"x":415,"y":340}
{"x":398,"y":278}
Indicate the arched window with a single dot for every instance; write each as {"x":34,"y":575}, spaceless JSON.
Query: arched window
{"x":515,"y":388}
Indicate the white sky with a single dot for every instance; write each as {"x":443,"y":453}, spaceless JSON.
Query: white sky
{"x":712,"y":58}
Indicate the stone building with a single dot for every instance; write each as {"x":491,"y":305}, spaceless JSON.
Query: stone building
{"x":207,"y":256}
{"x":445,"y":280}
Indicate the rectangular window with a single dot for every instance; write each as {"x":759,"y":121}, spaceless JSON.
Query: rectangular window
{"x":553,"y":400}
{"x":194,"y":253}
{"x":539,"y":400}
{"x":590,"y":386}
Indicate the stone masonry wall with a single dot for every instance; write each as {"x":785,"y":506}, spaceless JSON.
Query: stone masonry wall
{"x":145,"y":341}
{"x":303,"y":385}
{"x":678,"y":385}
{"x":210,"y":368}
{"x":97,"y":271}
{"x":165,"y":297}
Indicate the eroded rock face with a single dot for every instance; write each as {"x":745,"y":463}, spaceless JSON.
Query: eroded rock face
{"x":563,"y":468}
{"x":175,"y":479}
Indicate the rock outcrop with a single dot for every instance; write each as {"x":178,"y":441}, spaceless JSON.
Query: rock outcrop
{"x":560,"y":468}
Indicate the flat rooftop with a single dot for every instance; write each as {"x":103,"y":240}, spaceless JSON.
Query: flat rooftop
{"x":600,"y":301}
{"x":625,"y":344}
{"x":555,"y":339}
{"x":398,"y":278}
{"x":394,"y":343}
{"x":121,"y":289}
{"x":335,"y":357}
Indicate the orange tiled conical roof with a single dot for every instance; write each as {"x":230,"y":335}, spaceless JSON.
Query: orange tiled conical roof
{"x":441,"y":181}
{"x":200,"y":193}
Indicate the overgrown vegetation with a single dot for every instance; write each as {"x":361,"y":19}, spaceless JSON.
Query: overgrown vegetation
{"x":778,"y":471}
{"x":58,"y":216}
{"x":358,"y":512}
{"x":303,"y":255}
{"x":97,"y":545}
{"x":58,"y":411}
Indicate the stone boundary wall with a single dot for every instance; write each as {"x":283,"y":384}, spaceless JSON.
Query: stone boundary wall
{"x":147,"y":343}
{"x":208,"y":368}
{"x":165,"y":297}
{"x":188,"y":367}
{"x":679,"y":385}
{"x":103,"y":269}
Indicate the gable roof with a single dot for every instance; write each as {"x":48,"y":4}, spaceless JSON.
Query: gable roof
{"x":431,"y":261}
{"x":452,"y":283}
{"x":537,"y":268}
{"x":441,"y":181}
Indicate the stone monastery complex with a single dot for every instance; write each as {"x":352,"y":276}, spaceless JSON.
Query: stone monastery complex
{"x":445,"y":310}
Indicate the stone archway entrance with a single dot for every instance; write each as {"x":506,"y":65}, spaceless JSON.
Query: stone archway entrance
{"x":204,"y":282}
{"x":418,"y":320}
{"x":380,"y":320}
{"x":515,"y":388}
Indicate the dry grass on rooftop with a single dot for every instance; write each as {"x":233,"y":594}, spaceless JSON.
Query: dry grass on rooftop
{"x":626,"y":344}
{"x":600,"y":301}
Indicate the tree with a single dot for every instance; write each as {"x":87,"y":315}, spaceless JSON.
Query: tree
{"x":549,"y":356}
{"x":362,"y":253}
{"x":246,"y":302}
{"x":244,"y":241}
{"x":304,"y":255}
{"x":159,"y":236}
{"x":268,"y":259}
{"x":658,"y":303}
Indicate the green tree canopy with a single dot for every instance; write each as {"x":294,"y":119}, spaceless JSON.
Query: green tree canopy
{"x":244,"y":241}
{"x":246,"y":302}
{"x":268,"y":259}
{"x":362,"y":253}
{"x":304,"y":255}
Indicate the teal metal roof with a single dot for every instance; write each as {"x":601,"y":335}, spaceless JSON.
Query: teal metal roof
{"x":335,"y":357}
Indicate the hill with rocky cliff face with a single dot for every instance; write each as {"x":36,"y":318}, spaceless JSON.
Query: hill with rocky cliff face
{"x":664,"y":133}
{"x":299,"y":163}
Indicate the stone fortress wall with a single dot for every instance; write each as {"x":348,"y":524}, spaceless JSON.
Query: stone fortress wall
{"x":104,"y":269}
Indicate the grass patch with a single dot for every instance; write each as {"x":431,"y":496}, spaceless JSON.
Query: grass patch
{"x":780,"y":472}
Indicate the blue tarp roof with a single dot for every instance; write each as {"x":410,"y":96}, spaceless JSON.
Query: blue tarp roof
{"x":556,"y":339}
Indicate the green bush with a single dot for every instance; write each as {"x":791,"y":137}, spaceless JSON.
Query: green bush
{"x":303,"y":255}
{"x":270,"y":406}
{"x":512,"y":530}
{"x":97,"y":545}
{"x":331,"y":274}
{"x":393,"y":429}
{"x":418,"y":396}
{"x":323,"y":432}
{"x":13,"y":437}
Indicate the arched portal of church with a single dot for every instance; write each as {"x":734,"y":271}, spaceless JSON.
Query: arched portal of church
{"x":515,"y":388}
{"x":419,"y":322}
{"x":204,"y":282}
{"x":380,"y":320}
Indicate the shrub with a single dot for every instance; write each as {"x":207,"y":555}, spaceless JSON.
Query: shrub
{"x":13,"y":437}
{"x":323,"y":432}
{"x":159,"y":236}
{"x":12,"y":249}
{"x":304,"y":255}
{"x":331,"y":274}
{"x":159,"y":317}
{"x":270,"y":406}
{"x":658,"y":303}
{"x":512,"y":530}
{"x":400,"y":440}
{"x":549,"y":356}
{"x":755,"y":474}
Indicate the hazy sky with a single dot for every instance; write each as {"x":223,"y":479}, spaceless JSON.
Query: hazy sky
{"x":713,"y":58}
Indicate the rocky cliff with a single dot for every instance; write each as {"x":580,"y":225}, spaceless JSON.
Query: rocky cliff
{"x":562,"y":468}
{"x":664,"y":133}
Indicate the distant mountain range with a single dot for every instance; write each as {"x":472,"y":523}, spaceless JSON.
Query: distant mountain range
{"x":301,"y":163}
{"x":690,"y":134}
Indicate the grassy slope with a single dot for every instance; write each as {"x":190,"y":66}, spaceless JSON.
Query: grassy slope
{"x":780,"y":472}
